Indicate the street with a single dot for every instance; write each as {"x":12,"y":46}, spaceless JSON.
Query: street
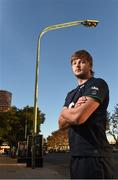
{"x":58,"y":162}
{"x":56,"y":166}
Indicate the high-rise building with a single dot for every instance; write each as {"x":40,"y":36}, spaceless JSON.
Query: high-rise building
{"x":5,"y":100}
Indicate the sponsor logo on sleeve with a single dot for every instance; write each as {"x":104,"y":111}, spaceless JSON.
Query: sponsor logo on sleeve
{"x":94,"y":90}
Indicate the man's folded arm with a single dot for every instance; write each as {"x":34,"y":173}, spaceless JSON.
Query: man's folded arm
{"x":79,"y":114}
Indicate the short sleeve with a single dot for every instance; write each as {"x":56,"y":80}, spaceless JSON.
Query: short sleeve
{"x":98,"y":90}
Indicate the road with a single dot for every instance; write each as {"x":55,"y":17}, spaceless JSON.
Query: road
{"x":56,"y":166}
{"x":58,"y":162}
{"x":52,"y":168}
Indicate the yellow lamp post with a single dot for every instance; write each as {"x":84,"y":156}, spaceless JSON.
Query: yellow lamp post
{"x":87,"y":23}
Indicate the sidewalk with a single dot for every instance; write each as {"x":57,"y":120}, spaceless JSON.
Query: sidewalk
{"x":10,"y":169}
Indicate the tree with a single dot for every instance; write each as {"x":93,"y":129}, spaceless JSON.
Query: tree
{"x":13,"y":123}
{"x":26,"y":116}
{"x":58,"y":141}
{"x":10,"y":125}
{"x":113,"y":124}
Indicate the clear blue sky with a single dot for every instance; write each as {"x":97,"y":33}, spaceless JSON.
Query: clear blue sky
{"x":21,"y":21}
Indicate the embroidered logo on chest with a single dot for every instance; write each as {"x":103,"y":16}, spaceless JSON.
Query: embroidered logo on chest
{"x":71,"y":105}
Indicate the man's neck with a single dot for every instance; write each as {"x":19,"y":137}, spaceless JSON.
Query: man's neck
{"x":82,"y":81}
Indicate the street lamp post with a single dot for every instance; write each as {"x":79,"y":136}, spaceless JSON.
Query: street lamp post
{"x":87,"y":23}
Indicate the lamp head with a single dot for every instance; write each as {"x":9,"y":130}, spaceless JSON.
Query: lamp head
{"x":90,"y":23}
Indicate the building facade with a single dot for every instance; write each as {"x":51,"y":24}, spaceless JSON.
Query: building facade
{"x":5,"y":100}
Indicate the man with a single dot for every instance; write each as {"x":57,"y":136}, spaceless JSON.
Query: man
{"x":85,"y":115}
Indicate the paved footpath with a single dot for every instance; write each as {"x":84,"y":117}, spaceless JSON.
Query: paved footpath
{"x":10,"y":169}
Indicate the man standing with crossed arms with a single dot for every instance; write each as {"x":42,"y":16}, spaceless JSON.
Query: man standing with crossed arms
{"x":85,"y":115}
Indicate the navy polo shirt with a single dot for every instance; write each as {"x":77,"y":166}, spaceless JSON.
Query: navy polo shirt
{"x":89,"y":138}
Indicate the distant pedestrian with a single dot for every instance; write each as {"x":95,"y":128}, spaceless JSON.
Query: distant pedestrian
{"x":85,"y":115}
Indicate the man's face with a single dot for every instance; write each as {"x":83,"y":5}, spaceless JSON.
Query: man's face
{"x":81,"y":68}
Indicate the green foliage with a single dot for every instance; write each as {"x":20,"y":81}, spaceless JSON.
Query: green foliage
{"x":14,"y":122}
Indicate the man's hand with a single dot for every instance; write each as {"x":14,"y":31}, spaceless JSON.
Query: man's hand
{"x":82,"y":110}
{"x":63,"y":124}
{"x":80,"y":101}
